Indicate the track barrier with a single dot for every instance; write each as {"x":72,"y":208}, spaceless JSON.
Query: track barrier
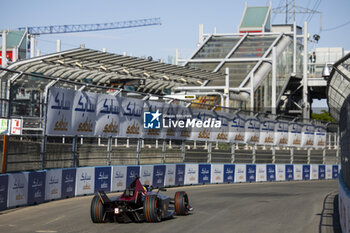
{"x":28,"y":188}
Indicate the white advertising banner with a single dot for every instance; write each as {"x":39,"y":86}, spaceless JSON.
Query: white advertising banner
{"x":53,"y":184}
{"x":85,"y":181}
{"x":313,"y":172}
{"x":170,"y":170}
{"x":240,"y":173}
{"x":202,"y":133}
{"x":59,"y":112}
{"x":261,"y":172}
{"x":329,"y":171}
{"x":280,"y":172}
{"x":267,"y":132}
{"x":298,"y":171}
{"x":17,"y":189}
{"x":252,"y":131}
{"x":320,"y":137}
{"x":191,"y":174}
{"x":16,"y":126}
{"x":281,"y":133}
{"x":146,"y":174}
{"x":237,"y":129}
{"x":131,"y":118}
{"x":307,"y":139}
{"x":118,"y":182}
{"x":170,"y":115}
{"x":183,"y":114}
{"x":221,"y":134}
{"x":4,"y":126}
{"x":217,"y":173}
{"x":108,"y":115}
{"x":294,"y":134}
{"x":84,"y":113}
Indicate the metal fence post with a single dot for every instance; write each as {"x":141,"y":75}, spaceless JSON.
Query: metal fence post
{"x":308,"y":156}
{"x":233,"y":158}
{"x":183,"y":151}
{"x":138,"y":147}
{"x":44,"y":137}
{"x":163,"y":150}
{"x":273,"y":154}
{"x":209,"y":152}
{"x":109,"y":148}
{"x":254,"y":154}
{"x":324,"y":156}
{"x":74,"y":152}
{"x":291,"y":155}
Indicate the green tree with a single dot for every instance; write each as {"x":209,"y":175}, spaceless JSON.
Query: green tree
{"x":323,"y":116}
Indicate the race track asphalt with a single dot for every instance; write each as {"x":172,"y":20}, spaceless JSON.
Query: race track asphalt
{"x":255,"y":207}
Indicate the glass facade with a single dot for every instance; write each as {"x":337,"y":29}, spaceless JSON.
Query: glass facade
{"x":246,"y":57}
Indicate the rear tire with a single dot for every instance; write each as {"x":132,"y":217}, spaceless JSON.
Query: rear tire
{"x":97,"y":210}
{"x":181,"y":203}
{"x":150,"y":209}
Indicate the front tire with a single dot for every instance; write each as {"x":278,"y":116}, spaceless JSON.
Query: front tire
{"x":150,"y":209}
{"x":181,"y":203}
{"x":97,"y":210}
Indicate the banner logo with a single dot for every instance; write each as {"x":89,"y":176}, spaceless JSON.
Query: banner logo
{"x":151,"y":120}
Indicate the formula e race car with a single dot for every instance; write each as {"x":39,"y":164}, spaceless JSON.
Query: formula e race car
{"x":138,"y":204}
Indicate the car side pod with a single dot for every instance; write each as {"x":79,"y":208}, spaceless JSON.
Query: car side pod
{"x":182,"y":204}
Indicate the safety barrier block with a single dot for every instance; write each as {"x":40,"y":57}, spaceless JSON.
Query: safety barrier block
{"x":204,"y":174}
{"x":118,"y":178}
{"x":321,"y":172}
{"x":146,"y":174}
{"x":271,"y":172}
{"x":298,"y":171}
{"x":314,"y":172}
{"x":158,"y":175}
{"x":17,"y":189}
{"x":170,"y":173}
{"x":85,"y":179}
{"x":335,"y":171}
{"x":240,"y":173}
{"x":53,"y":184}
{"x":191,"y":174}
{"x":217,"y":173}
{"x":251,"y":173}
{"x":261,"y":172}
{"x":180,"y":174}
{"x":329,"y":171}
{"x":306,"y":172}
{"x":3,"y":191}
{"x":289,"y":172}
{"x":131,"y":173}
{"x":36,"y":187}
{"x":68,"y":182}
{"x":229,"y":173}
{"x":280,"y":172}
{"x":103,"y":179}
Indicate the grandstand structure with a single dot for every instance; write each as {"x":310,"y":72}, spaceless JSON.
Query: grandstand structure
{"x":260,"y":71}
{"x":268,"y":65}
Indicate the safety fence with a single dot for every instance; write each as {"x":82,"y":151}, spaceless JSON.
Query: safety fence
{"x":28,"y":188}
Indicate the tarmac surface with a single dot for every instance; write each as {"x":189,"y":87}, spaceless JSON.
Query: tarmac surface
{"x":303,"y":206}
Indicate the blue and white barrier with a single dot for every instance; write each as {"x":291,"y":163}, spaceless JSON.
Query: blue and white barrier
{"x":26,"y":188}
{"x":343,"y":204}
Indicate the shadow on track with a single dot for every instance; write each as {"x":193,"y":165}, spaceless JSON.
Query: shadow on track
{"x":329,"y":217}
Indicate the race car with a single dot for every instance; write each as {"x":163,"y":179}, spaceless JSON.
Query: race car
{"x":138,"y":204}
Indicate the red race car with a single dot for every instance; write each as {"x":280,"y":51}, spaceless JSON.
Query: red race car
{"x":138,"y":204}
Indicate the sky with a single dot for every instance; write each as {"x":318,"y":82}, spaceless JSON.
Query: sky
{"x":180,"y":22}
{"x":179,"y":29}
